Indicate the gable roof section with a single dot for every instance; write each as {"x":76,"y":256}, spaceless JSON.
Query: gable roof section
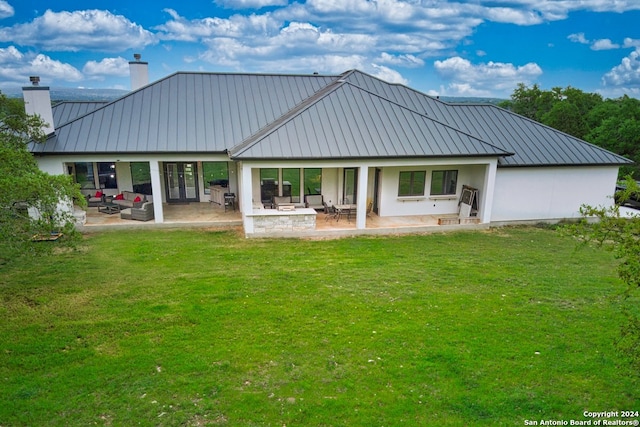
{"x":184,"y":112}
{"x":533,"y":143}
{"x":345,"y":121}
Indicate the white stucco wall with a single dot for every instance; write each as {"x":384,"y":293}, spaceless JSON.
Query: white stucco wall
{"x":550,"y":193}
{"x":392,"y":205}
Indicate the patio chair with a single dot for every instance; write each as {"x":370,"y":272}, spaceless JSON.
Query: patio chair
{"x":95,"y":200}
{"x":369,"y":208}
{"x":143,"y":213}
{"x":330,"y":212}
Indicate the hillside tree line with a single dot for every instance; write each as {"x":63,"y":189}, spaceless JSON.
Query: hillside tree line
{"x":613,"y":124}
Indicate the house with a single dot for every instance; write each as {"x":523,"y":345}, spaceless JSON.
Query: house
{"x":351,"y":138}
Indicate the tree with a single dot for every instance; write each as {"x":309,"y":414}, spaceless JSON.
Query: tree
{"x":618,"y":130}
{"x":32,"y":202}
{"x":610,"y":124}
{"x":621,"y":235}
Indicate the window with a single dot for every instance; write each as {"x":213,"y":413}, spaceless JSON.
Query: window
{"x":268,"y":184}
{"x":411,"y":183}
{"x":444,"y":182}
{"x":291,"y":183}
{"x":84,"y":176}
{"x":313,"y":181}
{"x":141,"y":177}
{"x":107,"y":175}
{"x":215,"y":173}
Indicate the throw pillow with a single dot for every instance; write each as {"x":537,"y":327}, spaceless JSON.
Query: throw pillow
{"x":119,"y":197}
{"x":137,"y":199}
{"x":98,"y":194}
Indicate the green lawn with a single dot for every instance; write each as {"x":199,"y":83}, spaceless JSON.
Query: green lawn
{"x":195,"y":328}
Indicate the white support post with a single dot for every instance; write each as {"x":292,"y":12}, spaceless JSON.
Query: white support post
{"x":156,"y":188}
{"x":363,"y":180}
{"x":246,"y":193}
{"x":486,"y":194}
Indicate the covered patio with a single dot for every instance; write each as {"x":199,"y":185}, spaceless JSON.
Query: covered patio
{"x":205,"y":215}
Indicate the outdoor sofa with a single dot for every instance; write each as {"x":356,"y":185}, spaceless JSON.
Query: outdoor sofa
{"x":129,"y":199}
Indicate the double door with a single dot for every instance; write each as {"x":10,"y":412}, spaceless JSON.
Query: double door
{"x":181,"y":182}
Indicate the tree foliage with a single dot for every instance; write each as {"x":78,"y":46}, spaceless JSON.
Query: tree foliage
{"x":32,"y":202}
{"x":613,"y":124}
{"x":621,"y":235}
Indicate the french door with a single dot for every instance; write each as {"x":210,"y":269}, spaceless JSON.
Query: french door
{"x":181,"y":179}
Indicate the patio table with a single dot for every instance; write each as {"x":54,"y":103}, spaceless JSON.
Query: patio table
{"x":343,"y":209}
{"x":109,"y":208}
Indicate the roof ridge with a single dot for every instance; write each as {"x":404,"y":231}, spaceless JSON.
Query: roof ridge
{"x":425,"y":115}
{"x":253,"y":139}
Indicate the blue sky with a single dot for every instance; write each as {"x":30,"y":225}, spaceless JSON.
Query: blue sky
{"x":441,"y":47}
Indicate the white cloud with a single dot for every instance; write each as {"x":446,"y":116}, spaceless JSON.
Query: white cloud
{"x":239,"y":26}
{"x":45,"y":66}
{"x":409,"y":61}
{"x":16,"y":67}
{"x":601,"y":44}
{"x":6,"y":10}
{"x":626,"y":74}
{"x":107,"y":67}
{"x":486,"y":78}
{"x":387,"y":74}
{"x":578,"y":38}
{"x":629,"y":42}
{"x":9,"y":55}
{"x":98,"y":30}
{"x":604,"y":44}
{"x":249,"y":4}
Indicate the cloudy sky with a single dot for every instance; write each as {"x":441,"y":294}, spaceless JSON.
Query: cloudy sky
{"x":441,"y":47}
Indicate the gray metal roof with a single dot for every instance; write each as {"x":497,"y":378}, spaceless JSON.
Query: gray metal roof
{"x":345,"y":121}
{"x":534,"y":144}
{"x":66,"y":111}
{"x":265,"y":116}
{"x":185,"y":112}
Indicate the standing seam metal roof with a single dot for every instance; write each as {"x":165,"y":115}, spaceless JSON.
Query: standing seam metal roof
{"x":307,"y":116}
{"x":364,"y":125}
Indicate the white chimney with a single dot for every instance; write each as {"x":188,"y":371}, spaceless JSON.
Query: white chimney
{"x":37,"y":100}
{"x":139,"y":71}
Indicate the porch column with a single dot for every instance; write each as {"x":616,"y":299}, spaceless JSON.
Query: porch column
{"x":246,"y":194}
{"x":486,"y":199}
{"x":156,"y":188}
{"x":363,"y":182}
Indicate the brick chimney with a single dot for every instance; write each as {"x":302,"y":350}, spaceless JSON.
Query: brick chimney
{"x":37,"y":101}
{"x":139,"y":71}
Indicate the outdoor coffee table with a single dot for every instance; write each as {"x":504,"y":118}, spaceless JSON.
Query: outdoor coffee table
{"x":109,"y":208}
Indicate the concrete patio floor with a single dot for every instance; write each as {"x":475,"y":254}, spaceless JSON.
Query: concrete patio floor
{"x":209,"y":215}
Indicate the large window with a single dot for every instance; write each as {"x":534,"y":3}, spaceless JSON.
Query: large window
{"x":291,"y":183}
{"x":313,"y":181}
{"x":215,"y":173}
{"x":84,"y":176}
{"x":141,"y":177}
{"x":268,"y":184}
{"x":444,"y":182}
{"x":107,"y":175}
{"x":411,"y":183}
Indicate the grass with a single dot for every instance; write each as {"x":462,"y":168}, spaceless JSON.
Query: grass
{"x":194,"y":328}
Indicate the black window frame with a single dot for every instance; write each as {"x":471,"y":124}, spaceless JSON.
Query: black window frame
{"x":412,"y":183}
{"x":447,"y":184}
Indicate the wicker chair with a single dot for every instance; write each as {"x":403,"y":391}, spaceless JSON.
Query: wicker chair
{"x":143,"y":213}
